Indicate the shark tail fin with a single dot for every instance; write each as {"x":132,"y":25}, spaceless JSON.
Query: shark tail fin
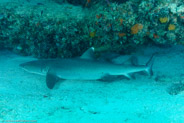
{"x":149,"y":65}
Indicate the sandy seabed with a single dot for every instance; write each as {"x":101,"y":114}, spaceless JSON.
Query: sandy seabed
{"x":25,"y":97}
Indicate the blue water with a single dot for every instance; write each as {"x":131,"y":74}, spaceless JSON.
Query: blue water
{"x":24,"y":97}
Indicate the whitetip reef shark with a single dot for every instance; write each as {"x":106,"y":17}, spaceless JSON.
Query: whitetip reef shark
{"x":82,"y":68}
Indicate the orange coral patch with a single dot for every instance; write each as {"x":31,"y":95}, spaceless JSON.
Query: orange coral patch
{"x":92,"y":34}
{"x":121,"y":34}
{"x":121,"y":21}
{"x":155,"y":36}
{"x":135,"y":29}
{"x":98,"y":16}
{"x":171,"y":27}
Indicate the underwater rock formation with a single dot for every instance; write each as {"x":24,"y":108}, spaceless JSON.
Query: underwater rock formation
{"x":50,"y":30}
{"x":176,"y":88}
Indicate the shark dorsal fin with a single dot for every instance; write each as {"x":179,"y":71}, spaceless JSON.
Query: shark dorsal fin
{"x":89,"y":54}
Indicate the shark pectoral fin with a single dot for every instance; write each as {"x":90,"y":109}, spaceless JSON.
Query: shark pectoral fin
{"x":129,"y":76}
{"x":89,"y":54}
{"x":51,"y":80}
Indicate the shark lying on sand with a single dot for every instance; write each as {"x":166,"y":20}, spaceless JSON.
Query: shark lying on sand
{"x":82,"y":68}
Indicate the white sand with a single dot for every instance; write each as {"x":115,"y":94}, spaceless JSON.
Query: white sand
{"x":24,"y":96}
